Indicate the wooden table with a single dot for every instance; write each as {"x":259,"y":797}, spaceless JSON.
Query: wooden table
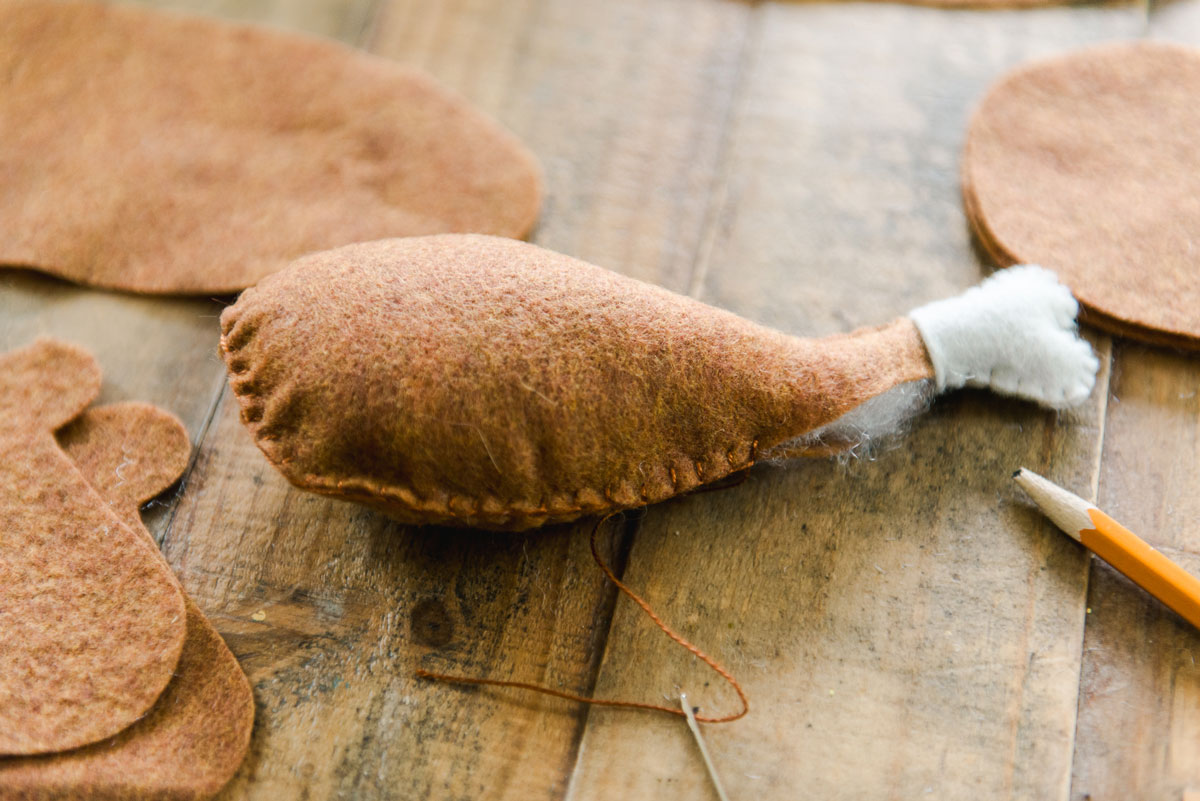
{"x":906,"y":625}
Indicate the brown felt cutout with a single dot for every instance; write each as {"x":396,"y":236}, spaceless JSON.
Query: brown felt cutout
{"x":1089,"y":164}
{"x":152,"y":152}
{"x":488,"y":382}
{"x":194,"y":738}
{"x":91,"y":618}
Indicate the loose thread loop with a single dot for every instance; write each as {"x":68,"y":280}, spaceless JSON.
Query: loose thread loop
{"x":705,"y":658}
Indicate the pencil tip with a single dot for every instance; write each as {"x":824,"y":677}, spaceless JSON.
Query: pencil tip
{"x":1017,"y":472}
{"x":1067,"y":510}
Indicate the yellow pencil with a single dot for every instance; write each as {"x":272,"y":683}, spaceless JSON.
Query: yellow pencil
{"x":1117,"y":545}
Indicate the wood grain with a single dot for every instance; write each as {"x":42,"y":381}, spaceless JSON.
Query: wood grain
{"x":625,"y":103}
{"x":331,"y":607}
{"x":1138,"y":732}
{"x":1139,"y":704}
{"x":905,"y":625}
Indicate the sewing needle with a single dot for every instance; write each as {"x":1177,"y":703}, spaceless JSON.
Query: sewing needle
{"x":695,"y":727}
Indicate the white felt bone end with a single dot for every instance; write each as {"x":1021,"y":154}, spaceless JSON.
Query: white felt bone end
{"x":1014,"y":334}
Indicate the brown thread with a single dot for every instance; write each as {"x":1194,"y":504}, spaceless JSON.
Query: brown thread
{"x":708,"y":660}
{"x":369,"y":490}
{"x":728,"y":482}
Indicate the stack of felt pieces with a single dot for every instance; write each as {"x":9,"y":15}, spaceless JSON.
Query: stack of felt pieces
{"x":113,"y":684}
{"x":1104,"y":142}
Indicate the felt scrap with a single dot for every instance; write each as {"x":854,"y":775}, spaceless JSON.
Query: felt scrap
{"x":488,"y":382}
{"x":159,"y":153}
{"x":193,"y":739}
{"x":1089,"y":164}
{"x":91,"y":619}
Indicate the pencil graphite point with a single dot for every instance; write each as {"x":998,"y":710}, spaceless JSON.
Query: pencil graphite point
{"x":1067,"y":510}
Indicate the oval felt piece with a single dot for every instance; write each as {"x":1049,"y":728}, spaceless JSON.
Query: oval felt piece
{"x":488,"y":382}
{"x":151,"y":152}
{"x":1089,"y":164}
{"x":91,"y":620}
{"x":193,"y":739}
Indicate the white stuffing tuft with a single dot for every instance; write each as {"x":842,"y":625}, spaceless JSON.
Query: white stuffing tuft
{"x":1014,"y":334}
{"x":860,"y":430}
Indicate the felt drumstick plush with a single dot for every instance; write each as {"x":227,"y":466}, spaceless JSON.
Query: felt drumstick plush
{"x":479,"y":381}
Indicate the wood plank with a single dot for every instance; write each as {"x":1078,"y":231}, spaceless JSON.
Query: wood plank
{"x":842,"y":190}
{"x":624,"y":102}
{"x":329,"y":606}
{"x":907,"y":626}
{"x":1139,"y":706}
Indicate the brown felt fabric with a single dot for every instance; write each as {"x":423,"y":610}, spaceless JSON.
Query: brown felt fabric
{"x":152,"y":152}
{"x":487,"y":382}
{"x":129,"y":453}
{"x":91,"y":619}
{"x":1089,"y":164}
{"x":1087,"y":315}
{"x":194,"y":738}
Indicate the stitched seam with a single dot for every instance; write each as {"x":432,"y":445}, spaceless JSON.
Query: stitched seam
{"x":252,"y":410}
{"x":396,"y":492}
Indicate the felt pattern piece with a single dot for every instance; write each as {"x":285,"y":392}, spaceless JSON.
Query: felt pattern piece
{"x":1089,"y":164}
{"x":91,"y":619}
{"x":158,"y":153}
{"x":194,"y":738}
{"x":487,"y":382}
